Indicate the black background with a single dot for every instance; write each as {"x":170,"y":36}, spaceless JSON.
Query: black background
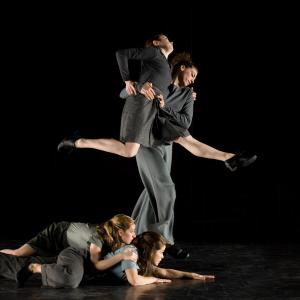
{"x":60,"y":74}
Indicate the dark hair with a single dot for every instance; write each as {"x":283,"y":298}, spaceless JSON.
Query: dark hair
{"x":151,"y":38}
{"x":147,"y":243}
{"x":181,"y":59}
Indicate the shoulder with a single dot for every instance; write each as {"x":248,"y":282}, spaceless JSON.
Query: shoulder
{"x":126,"y":247}
{"x":96,"y":239}
{"x":186,"y":93}
{"x":188,"y":90}
{"x":121,"y":250}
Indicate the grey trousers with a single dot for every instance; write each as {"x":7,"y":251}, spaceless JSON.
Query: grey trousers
{"x":52,"y":240}
{"x":11,"y":264}
{"x":154,"y":210}
{"x":65,"y":271}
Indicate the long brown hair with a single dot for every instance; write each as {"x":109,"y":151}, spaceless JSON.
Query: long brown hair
{"x":181,"y":59}
{"x":109,"y":230}
{"x":147,"y":243}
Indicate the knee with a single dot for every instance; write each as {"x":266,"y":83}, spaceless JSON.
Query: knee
{"x":131,"y":149}
{"x":72,"y":276}
{"x":171,"y":192}
{"x":72,"y":281}
{"x":131,"y":153}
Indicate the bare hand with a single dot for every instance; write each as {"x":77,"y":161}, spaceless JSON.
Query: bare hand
{"x":194,"y":94}
{"x":148,"y":91}
{"x":161,"y":101}
{"x":202,"y":277}
{"x":130,"y":255}
{"x":130,"y":89}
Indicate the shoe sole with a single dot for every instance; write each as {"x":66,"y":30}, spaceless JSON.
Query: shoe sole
{"x":250,"y":161}
{"x":245,"y":164}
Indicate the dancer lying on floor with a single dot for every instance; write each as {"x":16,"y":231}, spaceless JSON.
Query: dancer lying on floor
{"x":80,"y":248}
{"x":150,"y":247}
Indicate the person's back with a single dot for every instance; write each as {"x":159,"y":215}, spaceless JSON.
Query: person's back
{"x":138,"y":112}
{"x":79,"y":235}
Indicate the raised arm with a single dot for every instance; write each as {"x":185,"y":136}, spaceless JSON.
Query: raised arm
{"x":123,"y":57}
{"x":104,"y":264}
{"x":174,"y":274}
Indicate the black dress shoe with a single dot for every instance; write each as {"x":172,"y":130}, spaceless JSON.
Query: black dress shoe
{"x":22,"y":275}
{"x":68,"y":143}
{"x":176,"y":251}
{"x":240,"y":160}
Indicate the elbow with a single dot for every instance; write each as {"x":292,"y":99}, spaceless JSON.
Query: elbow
{"x":188,"y":123}
{"x":99,"y":267}
{"x":133,"y":282}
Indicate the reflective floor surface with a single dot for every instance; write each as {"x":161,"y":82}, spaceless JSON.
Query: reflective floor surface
{"x":243,"y":271}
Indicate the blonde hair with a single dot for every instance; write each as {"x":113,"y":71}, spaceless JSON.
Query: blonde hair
{"x":109,"y":230}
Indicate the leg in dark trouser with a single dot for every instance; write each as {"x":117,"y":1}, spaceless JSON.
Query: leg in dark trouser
{"x":154,"y":209}
{"x":11,"y":265}
{"x":66,"y":272}
{"x":52,"y":240}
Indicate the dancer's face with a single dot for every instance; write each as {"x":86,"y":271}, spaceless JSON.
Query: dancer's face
{"x":157,"y":256}
{"x":164,"y":43}
{"x":128,"y":235}
{"x":187,"y":76}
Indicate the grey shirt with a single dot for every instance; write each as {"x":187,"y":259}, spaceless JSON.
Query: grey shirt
{"x":81,"y":235}
{"x":179,"y":105}
{"x":118,"y":270}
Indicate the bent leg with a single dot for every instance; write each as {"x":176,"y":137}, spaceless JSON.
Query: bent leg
{"x":66,"y":272}
{"x":24,"y":250}
{"x":48,"y":242}
{"x":10,"y":265}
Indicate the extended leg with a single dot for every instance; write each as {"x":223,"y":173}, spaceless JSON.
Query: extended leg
{"x":202,"y":150}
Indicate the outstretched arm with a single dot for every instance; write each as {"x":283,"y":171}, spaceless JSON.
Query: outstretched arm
{"x":174,"y":274}
{"x":104,"y":264}
{"x":135,"y":279}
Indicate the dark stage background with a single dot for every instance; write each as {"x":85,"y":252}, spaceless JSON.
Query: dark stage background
{"x":60,"y":74}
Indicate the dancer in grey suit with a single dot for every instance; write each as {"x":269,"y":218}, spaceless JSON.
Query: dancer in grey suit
{"x":154,"y":210}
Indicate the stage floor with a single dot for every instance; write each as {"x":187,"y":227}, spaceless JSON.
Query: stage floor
{"x":243,"y":271}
